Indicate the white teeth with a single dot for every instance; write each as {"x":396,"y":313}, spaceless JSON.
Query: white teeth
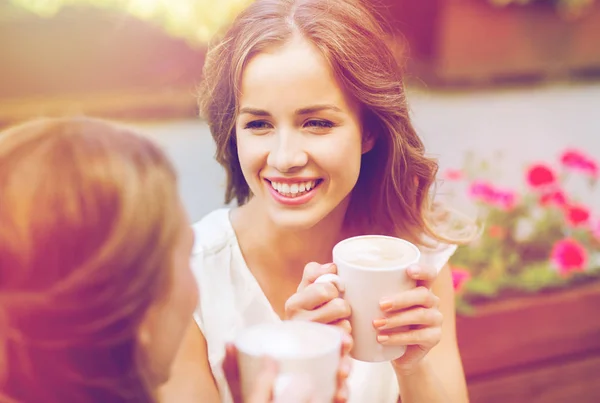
{"x":294,"y":189}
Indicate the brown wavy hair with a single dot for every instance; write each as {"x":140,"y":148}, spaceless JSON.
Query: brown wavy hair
{"x":86,"y":234}
{"x":396,"y":178}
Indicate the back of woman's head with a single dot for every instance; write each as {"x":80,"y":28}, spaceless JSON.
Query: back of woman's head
{"x":392,"y":193}
{"x":86,"y":227}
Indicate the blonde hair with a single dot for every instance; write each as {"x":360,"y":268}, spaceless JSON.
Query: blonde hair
{"x":392,"y":195}
{"x":87,"y":227}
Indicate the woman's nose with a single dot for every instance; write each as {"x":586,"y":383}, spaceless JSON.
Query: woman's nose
{"x":287,"y":153}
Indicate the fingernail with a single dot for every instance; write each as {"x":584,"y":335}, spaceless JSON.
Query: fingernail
{"x":327,"y":266}
{"x":346,"y":367}
{"x":340,"y":397}
{"x":385,"y":304}
{"x":382,"y":338}
{"x":414,"y":270}
{"x":346,"y":338}
{"x":379,"y":322}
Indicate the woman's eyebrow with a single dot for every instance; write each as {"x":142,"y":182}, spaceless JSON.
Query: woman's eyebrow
{"x":254,"y":111}
{"x":317,"y":108}
{"x":301,"y":111}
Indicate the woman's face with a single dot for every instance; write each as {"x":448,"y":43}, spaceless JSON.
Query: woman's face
{"x":298,"y":135}
{"x":165,"y":325}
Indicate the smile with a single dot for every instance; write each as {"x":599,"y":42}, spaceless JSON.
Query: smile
{"x":293,"y":193}
{"x":295,"y":189}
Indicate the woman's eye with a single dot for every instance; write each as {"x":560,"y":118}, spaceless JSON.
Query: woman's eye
{"x":319,"y":124}
{"x":257,"y":125}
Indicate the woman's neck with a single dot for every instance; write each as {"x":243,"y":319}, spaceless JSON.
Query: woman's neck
{"x":286,"y":250}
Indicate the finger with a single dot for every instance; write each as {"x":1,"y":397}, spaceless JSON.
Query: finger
{"x":341,"y":395}
{"x":314,"y":270}
{"x":263,"y":386}
{"x":424,"y":275}
{"x":426,"y":338}
{"x":347,"y":343}
{"x":311,"y":297}
{"x":333,"y":311}
{"x":344,"y":369}
{"x":420,"y":296}
{"x":345,"y":326}
{"x":332,"y":278}
{"x":416,"y":316}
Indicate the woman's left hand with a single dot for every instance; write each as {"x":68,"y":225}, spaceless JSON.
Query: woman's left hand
{"x":411,"y":318}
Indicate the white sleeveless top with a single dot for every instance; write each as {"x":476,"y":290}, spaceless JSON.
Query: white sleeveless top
{"x":231,"y":299}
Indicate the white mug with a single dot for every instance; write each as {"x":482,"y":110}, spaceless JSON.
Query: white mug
{"x":301,"y":348}
{"x":370,"y":268}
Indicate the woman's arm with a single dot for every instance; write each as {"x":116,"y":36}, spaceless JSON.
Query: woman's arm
{"x":191,"y":378}
{"x":439,"y":377}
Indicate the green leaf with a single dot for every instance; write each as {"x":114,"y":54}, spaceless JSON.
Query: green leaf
{"x":481,"y":287}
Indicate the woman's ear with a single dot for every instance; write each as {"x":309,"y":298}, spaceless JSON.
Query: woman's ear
{"x":144,"y":339}
{"x":144,"y":331}
{"x":368,"y":142}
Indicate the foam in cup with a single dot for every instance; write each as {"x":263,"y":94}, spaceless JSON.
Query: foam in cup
{"x":377,"y":252}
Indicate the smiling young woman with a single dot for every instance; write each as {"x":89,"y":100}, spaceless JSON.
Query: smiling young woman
{"x":307,"y":107}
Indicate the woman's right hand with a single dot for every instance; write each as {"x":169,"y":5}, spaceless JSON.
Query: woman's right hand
{"x":319,"y":302}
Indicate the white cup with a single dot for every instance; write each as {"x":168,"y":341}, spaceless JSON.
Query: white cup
{"x":372,"y":267}
{"x":301,"y":349}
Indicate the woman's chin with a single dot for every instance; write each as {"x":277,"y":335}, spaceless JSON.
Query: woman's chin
{"x":295,"y":220}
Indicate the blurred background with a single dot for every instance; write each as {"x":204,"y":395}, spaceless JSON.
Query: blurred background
{"x":505,"y":93}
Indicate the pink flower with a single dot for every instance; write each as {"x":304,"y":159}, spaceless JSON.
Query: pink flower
{"x":553,"y":198}
{"x":482,"y":191}
{"x":540,"y":175}
{"x":568,"y":256}
{"x":453,"y":174}
{"x":459,"y":277}
{"x":577,"y":216}
{"x":487,"y":193}
{"x":578,"y":161}
{"x":505,"y":199}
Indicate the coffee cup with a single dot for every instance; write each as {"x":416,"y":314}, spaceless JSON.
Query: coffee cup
{"x":370,"y":268}
{"x":302,"y":349}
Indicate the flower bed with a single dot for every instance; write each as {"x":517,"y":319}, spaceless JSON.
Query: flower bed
{"x":527,"y":289}
{"x":541,"y":239}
